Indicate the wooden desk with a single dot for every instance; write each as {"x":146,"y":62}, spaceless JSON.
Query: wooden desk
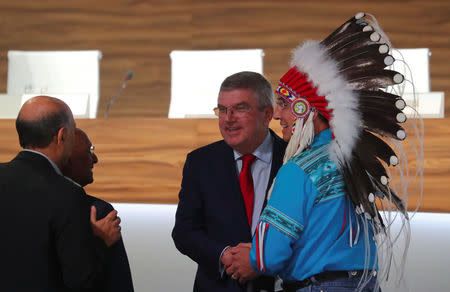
{"x":141,"y":159}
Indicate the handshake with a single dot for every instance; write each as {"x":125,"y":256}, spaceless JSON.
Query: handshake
{"x":237,"y":264}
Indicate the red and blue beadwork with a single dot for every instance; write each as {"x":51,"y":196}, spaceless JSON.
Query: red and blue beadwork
{"x":296,"y":85}
{"x":286,"y":93}
{"x":300,"y":107}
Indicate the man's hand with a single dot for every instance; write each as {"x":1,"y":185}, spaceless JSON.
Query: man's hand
{"x":240,"y":268}
{"x":226,"y":258}
{"x":107,"y":228}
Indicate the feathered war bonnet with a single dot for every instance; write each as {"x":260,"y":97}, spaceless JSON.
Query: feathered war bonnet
{"x":343,"y":77}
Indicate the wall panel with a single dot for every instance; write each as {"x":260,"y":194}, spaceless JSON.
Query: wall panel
{"x":141,"y":153}
{"x":141,"y":159}
{"x":139,"y":35}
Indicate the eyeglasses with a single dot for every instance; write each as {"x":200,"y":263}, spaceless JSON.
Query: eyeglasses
{"x":282,"y":103}
{"x":92,"y":149}
{"x":238,"y":110}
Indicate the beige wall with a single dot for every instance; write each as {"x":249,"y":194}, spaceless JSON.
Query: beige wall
{"x":140,"y":34}
{"x":141,"y":159}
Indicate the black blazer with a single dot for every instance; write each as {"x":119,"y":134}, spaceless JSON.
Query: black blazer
{"x":211,"y":213}
{"x":117,"y":274}
{"x":47,"y":242}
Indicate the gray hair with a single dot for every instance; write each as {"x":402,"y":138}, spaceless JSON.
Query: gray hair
{"x":251,"y":80}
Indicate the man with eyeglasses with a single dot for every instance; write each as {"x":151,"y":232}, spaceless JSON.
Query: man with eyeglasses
{"x":47,"y":239}
{"x":117,"y":274}
{"x":225,"y":184}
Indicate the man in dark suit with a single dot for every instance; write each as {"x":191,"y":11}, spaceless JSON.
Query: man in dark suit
{"x":216,"y":210}
{"x":117,"y":274}
{"x":47,"y":239}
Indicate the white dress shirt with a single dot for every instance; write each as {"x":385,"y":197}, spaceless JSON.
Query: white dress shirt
{"x":260,"y":173}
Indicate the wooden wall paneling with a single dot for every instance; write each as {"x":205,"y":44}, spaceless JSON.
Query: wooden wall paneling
{"x":141,"y":159}
{"x":436,"y":166}
{"x":139,"y":35}
{"x":279,"y":26}
{"x":136,"y":35}
{"x":9,"y":141}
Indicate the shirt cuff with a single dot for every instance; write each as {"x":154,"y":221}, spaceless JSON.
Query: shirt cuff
{"x":221,"y":266}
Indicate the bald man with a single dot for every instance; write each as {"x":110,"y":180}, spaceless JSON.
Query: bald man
{"x":117,"y":274}
{"x":47,"y":241}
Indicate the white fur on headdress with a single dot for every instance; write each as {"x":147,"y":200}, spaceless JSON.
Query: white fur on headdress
{"x":311,"y":58}
{"x":302,"y":137}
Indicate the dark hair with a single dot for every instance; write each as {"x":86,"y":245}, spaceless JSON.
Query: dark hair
{"x":322,"y":118}
{"x":250,"y":80}
{"x":40,"y":133}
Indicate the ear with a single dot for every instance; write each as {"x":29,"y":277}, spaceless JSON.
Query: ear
{"x":62,"y":135}
{"x":316,"y":113}
{"x":268,"y":115}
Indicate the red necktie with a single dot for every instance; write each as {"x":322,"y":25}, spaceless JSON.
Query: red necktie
{"x":246,"y":183}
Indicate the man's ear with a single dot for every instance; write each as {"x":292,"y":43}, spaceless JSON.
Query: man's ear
{"x":62,"y":135}
{"x":316,"y":113}
{"x":268,"y":115}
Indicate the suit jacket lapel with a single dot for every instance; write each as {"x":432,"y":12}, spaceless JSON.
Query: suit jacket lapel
{"x":231,"y":172}
{"x":234,"y":187}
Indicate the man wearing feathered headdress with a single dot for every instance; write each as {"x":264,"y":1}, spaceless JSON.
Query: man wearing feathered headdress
{"x":321,"y":226}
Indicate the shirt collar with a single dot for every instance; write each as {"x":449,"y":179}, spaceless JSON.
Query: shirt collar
{"x":324,"y":137}
{"x":72,"y":181}
{"x":55,"y":167}
{"x":263,"y":152}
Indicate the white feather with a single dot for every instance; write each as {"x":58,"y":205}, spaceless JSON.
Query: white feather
{"x":311,"y":58}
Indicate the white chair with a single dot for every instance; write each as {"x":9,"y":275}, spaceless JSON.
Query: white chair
{"x":197,"y":75}
{"x":416,"y":68}
{"x":9,"y":106}
{"x":73,"y":76}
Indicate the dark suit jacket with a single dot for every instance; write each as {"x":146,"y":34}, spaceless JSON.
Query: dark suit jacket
{"x":117,"y":274}
{"x":211,"y":213}
{"x":47,"y":242}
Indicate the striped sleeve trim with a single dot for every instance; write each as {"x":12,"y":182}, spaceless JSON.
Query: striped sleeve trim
{"x":282,"y":222}
{"x":260,"y":234}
